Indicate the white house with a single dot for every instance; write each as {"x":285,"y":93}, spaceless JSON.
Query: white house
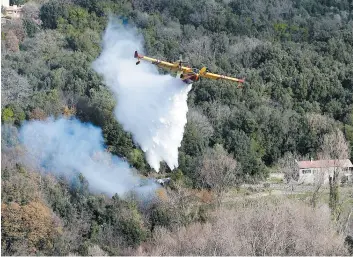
{"x":320,"y":170}
{"x":10,"y":11}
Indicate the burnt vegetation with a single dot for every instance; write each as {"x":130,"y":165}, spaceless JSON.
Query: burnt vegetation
{"x":297,"y":57}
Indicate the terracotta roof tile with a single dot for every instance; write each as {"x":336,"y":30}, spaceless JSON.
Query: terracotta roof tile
{"x":324,"y":163}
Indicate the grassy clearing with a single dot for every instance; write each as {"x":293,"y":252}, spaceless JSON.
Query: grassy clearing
{"x":275,"y":180}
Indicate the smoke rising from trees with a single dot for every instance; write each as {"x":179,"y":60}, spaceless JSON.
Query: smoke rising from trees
{"x":66,"y":147}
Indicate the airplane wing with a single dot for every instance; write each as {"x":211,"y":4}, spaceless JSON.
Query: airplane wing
{"x":209,"y":75}
{"x":176,"y":66}
{"x":159,"y":63}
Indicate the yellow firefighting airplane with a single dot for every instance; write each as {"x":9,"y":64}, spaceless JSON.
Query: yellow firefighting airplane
{"x":188,"y":75}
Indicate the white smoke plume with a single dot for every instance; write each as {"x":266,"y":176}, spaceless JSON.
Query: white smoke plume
{"x":151,"y":106}
{"x":68,"y":147}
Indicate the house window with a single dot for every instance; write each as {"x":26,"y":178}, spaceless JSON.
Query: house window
{"x":306,"y":171}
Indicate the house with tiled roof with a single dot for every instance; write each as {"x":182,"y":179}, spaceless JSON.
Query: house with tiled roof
{"x":313,"y":171}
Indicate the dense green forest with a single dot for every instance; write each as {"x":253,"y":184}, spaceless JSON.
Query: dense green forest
{"x":296,"y":56}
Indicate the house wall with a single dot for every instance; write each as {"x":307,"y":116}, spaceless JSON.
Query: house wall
{"x":305,"y":177}
{"x":14,"y":11}
{"x":316,"y":175}
{"x":5,"y":3}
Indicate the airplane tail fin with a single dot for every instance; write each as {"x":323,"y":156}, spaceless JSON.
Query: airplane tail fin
{"x":240,"y":83}
{"x":203,"y":70}
{"x":136,"y":55}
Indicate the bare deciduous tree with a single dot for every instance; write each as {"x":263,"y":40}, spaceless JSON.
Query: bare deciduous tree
{"x":317,"y":187}
{"x":318,"y":122}
{"x":205,"y":128}
{"x":16,"y":26}
{"x":335,"y":148}
{"x":289,"y":166}
{"x":254,"y":227}
{"x":14,"y":88}
{"x":198,"y":48}
{"x":95,"y":250}
{"x":279,"y":8}
{"x":37,"y":114}
{"x":218,"y":113}
{"x":218,"y":170}
{"x":12,"y":42}
{"x":31,"y":10}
